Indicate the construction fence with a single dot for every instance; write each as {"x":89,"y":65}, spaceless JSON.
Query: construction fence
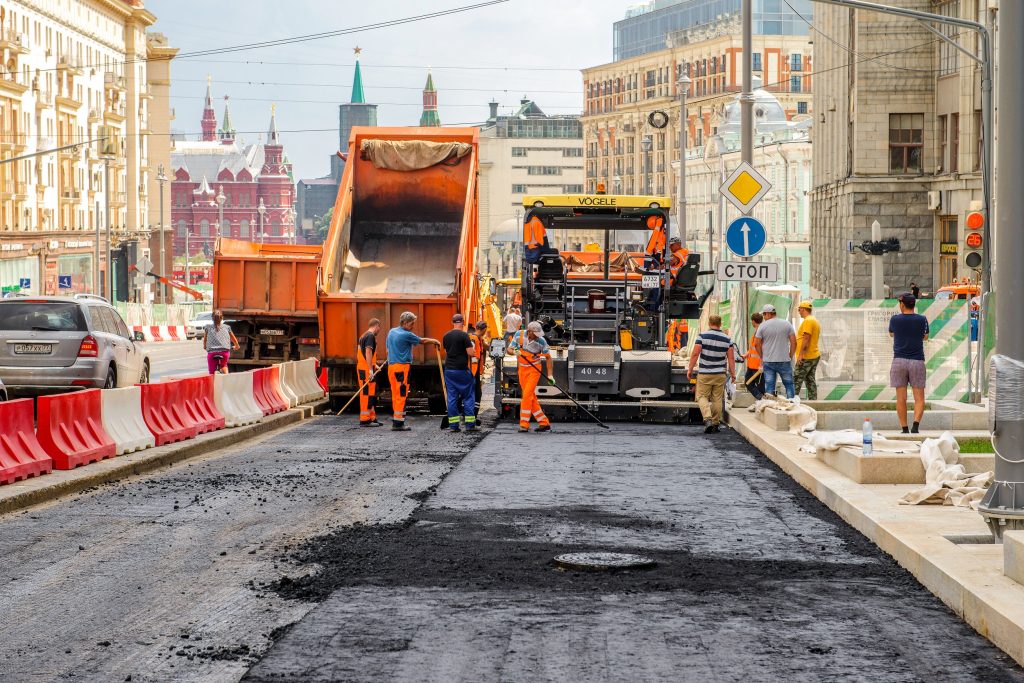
{"x":856,"y":349}
{"x":137,"y":315}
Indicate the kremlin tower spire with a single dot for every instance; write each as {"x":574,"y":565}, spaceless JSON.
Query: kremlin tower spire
{"x":209,"y":116}
{"x":358,"y":97}
{"x":430,"y":117}
{"x":227,"y":131}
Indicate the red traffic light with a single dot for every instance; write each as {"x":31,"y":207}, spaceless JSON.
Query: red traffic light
{"x":974,"y":240}
{"x":975,"y":220}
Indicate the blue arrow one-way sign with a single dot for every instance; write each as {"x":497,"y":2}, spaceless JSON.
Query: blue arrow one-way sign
{"x":746,"y":236}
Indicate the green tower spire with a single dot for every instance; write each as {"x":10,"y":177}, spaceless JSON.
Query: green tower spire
{"x":430,"y":115}
{"x":358,"y":96}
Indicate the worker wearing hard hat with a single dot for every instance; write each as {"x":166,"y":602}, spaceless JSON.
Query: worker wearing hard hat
{"x":532,"y":350}
{"x":807,"y":353}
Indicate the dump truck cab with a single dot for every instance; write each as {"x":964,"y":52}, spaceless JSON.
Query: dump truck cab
{"x":606,"y":311}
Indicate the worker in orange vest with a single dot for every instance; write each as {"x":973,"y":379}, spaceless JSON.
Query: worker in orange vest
{"x":679,"y":330}
{"x":654,"y":253}
{"x":532,"y":350}
{"x":366,"y":367}
{"x":477,"y":362}
{"x":535,"y":240}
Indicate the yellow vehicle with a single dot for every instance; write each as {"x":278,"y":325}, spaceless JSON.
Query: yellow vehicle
{"x":958,"y":290}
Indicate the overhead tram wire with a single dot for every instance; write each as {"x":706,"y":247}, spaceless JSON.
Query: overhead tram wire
{"x":310,"y":37}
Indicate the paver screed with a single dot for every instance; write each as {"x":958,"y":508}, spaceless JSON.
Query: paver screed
{"x":755,"y":581}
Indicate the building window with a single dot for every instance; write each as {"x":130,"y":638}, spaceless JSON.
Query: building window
{"x":795,"y":270}
{"x":578,"y":151}
{"x":796,"y":62}
{"x":543,"y":170}
{"x":801,"y":107}
{"x":906,"y":141}
{"x":519,"y":151}
{"x":943,"y":132}
{"x":243,"y":228}
{"x":573,"y":189}
{"x":757,"y":61}
{"x":518,"y":188}
{"x":182,"y":229}
{"x":794,"y":84}
{"x":204,"y":228}
{"x":954,"y":143}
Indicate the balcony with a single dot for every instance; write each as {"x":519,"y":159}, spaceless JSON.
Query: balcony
{"x":114,"y":82}
{"x":68,"y":101}
{"x":70,"y":65}
{"x":116,"y":112}
{"x":118,"y":198}
{"x":95,"y":116}
{"x":21,"y":191}
{"x":72,"y":195}
{"x":13,"y":41}
{"x":146,"y":92}
{"x":44,"y":98}
{"x":9,"y":82}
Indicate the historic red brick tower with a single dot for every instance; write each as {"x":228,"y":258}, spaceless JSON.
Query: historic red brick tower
{"x":209,"y":116}
{"x":275,"y":188}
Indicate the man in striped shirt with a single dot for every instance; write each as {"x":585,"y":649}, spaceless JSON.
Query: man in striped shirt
{"x":711,"y":359}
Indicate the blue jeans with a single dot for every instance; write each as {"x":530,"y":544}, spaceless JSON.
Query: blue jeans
{"x":784,"y":371}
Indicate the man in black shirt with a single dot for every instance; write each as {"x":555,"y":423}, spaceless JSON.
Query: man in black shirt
{"x":366,"y":365}
{"x":458,"y":378}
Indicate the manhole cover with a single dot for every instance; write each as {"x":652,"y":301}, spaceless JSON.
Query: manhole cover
{"x":603,"y":562}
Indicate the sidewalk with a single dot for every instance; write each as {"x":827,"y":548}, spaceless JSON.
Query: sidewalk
{"x":948,"y":549}
{"x":59,"y":483}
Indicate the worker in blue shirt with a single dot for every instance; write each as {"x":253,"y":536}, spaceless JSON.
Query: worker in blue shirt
{"x":400,"y":341}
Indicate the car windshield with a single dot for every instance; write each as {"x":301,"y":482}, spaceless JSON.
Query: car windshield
{"x":943,"y":295}
{"x":205,"y":316}
{"x":41,"y":316}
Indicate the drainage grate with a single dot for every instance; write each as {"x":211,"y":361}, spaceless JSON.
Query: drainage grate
{"x":603,"y":562}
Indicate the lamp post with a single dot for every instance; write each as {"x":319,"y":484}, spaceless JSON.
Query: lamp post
{"x":262,"y":210}
{"x":295,"y":227}
{"x":683,"y":85}
{"x":646,"y":145}
{"x":220,"y":199}
{"x":188,"y":255}
{"x":161,"y":178}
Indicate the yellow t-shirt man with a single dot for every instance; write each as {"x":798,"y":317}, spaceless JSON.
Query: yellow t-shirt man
{"x":812,"y":327}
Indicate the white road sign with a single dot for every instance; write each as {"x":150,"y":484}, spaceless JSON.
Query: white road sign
{"x":747,"y":271}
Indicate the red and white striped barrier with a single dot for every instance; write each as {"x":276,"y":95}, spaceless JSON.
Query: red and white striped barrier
{"x":162,"y":333}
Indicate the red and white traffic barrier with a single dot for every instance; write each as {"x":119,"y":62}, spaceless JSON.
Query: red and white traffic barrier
{"x":162,"y":333}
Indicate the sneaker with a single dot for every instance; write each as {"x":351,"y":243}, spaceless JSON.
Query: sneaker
{"x":714,"y":429}
{"x":523,"y":430}
{"x":544,"y":428}
{"x":795,"y":400}
{"x":372,"y":423}
{"x":708,"y":427}
{"x":472,"y":428}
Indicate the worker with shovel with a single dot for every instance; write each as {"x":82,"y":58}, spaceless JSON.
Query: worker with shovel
{"x":366,"y":371}
{"x":532,"y":349}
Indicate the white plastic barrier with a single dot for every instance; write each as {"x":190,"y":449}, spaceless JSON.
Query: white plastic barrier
{"x":233,"y":396}
{"x":287,"y":376}
{"x":122,"y":418}
{"x":307,"y":386}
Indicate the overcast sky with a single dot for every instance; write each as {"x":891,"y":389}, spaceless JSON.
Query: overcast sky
{"x":535,"y":46}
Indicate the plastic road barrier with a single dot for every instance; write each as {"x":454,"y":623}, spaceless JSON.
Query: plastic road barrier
{"x":306,"y":383}
{"x":199,"y":403}
{"x":233,"y":397}
{"x":286,"y":373}
{"x":267,"y":397}
{"x":322,"y":379}
{"x":21,"y":455}
{"x":122,"y":418}
{"x":161,"y":333}
{"x":70,"y":429}
{"x":163,"y":409}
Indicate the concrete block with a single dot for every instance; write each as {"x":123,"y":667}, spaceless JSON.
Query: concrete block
{"x":1013,"y":555}
{"x":891,"y":468}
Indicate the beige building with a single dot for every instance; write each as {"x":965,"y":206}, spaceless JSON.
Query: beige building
{"x":619,"y":98}
{"x":897,"y":139}
{"x":74,"y":71}
{"x":525,"y":153}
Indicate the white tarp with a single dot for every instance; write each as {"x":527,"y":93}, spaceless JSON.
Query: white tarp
{"x":946,"y":481}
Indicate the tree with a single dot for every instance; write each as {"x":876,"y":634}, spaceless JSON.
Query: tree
{"x":322,"y":224}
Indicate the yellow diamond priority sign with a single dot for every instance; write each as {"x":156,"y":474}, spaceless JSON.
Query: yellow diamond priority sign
{"x":745,"y":187}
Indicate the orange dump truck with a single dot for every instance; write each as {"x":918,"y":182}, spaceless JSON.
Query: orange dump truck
{"x":403,"y":237}
{"x":268,"y":292}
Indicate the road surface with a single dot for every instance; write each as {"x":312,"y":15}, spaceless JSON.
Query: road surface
{"x":330,"y":552}
{"x":173,"y":359}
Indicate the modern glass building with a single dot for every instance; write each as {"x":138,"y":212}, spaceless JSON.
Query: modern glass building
{"x":646,"y":31}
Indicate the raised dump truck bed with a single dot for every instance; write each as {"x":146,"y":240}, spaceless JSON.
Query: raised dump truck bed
{"x":268,"y":292}
{"x":400,"y":240}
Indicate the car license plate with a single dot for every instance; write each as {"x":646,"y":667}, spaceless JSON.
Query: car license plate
{"x":32,"y":348}
{"x":650,"y":281}
{"x":272,"y":333}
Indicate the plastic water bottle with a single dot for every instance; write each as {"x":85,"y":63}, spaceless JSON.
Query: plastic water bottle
{"x":867,"y":447}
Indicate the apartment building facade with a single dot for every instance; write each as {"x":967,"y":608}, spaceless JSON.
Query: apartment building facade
{"x":897,"y":139}
{"x":73,"y":72}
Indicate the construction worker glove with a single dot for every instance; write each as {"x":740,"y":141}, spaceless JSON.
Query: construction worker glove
{"x":551,"y":381}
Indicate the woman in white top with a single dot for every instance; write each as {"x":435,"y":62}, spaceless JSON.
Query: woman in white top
{"x":218,"y":340}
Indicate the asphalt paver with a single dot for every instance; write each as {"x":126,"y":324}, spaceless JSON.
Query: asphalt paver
{"x":161,"y":577}
{"x":755,"y":579}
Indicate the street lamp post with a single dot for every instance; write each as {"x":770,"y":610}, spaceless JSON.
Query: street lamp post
{"x":683,"y":85}
{"x":220,"y":199}
{"x":262,"y":210}
{"x":161,"y":178}
{"x":646,"y":145}
{"x":188,"y":256}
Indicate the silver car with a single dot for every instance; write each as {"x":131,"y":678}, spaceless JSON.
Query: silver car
{"x":52,"y":343}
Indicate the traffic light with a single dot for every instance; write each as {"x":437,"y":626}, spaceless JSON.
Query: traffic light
{"x":974,"y":239}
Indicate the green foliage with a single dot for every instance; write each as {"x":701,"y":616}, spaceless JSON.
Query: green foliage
{"x":322,"y":224}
